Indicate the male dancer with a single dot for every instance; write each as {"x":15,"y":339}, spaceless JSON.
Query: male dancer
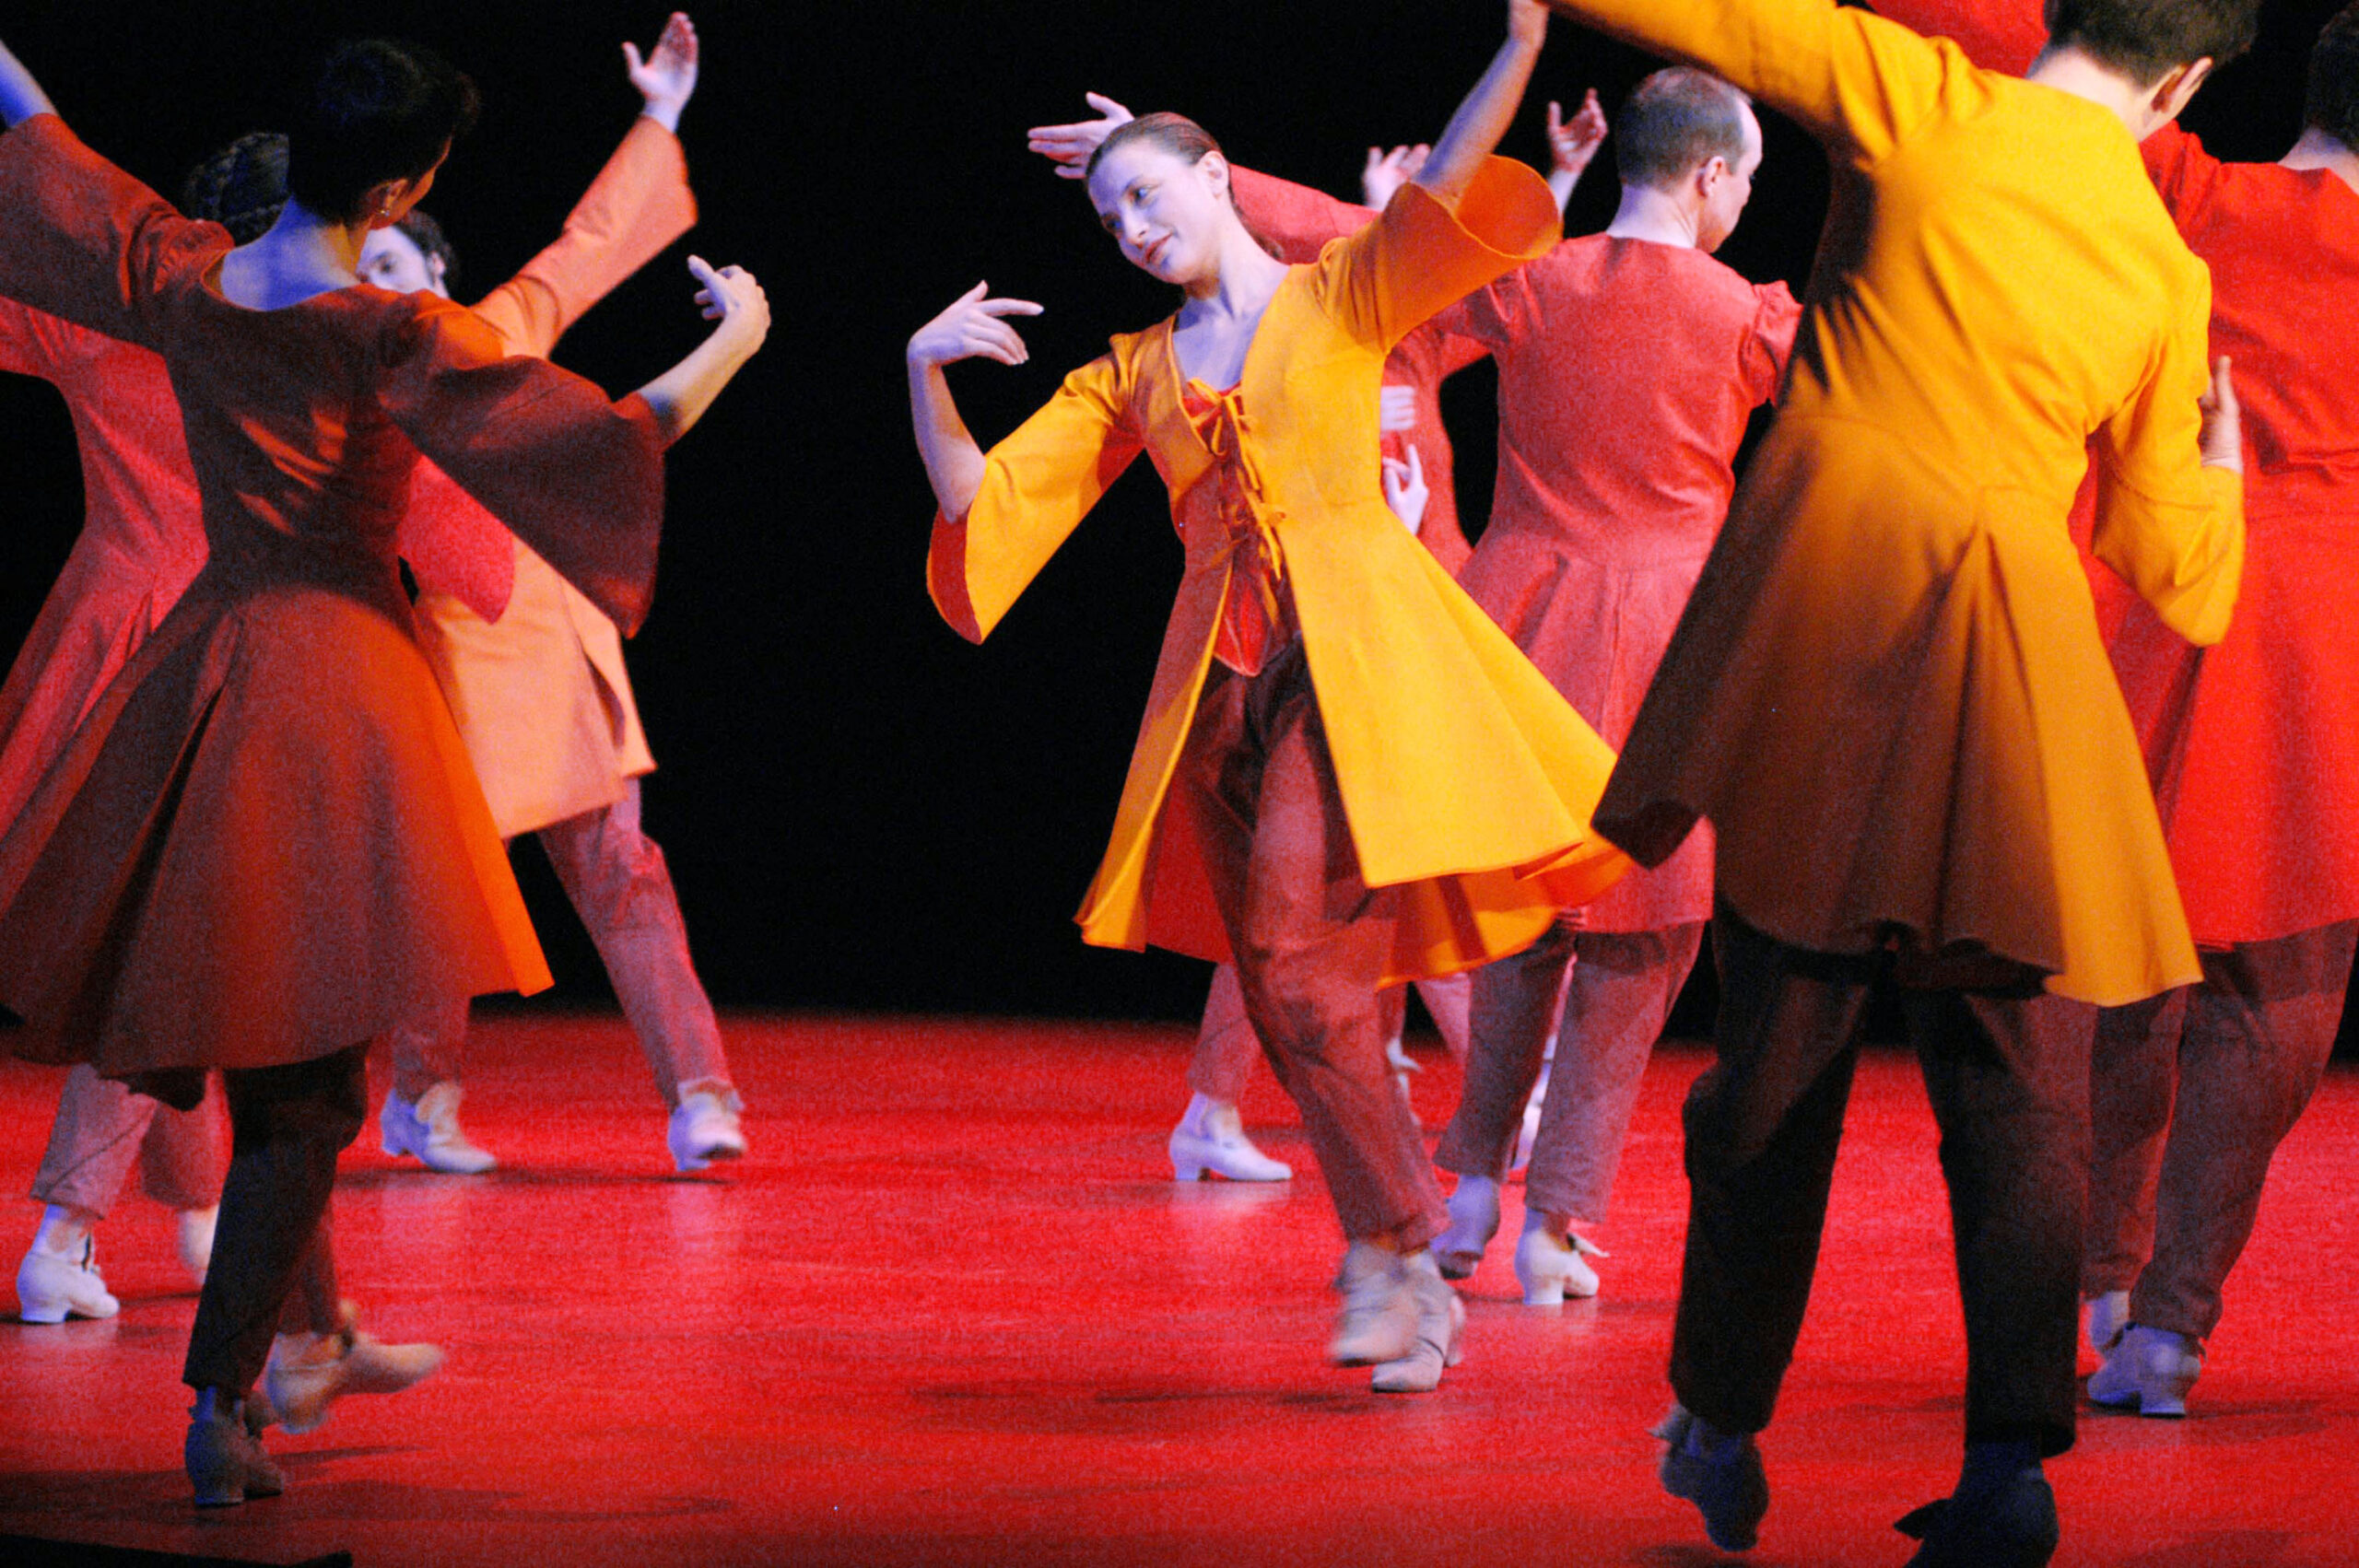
{"x":1629,"y":363}
{"x":540,"y":695}
{"x":1889,"y":696}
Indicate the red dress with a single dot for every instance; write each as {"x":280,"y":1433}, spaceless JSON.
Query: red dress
{"x":265,"y":844}
{"x":1627,"y":370}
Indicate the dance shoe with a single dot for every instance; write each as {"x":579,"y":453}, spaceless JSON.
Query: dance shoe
{"x":1474,"y":1220}
{"x":429,"y":1132}
{"x":193,"y":1239}
{"x":1722,"y":1475}
{"x":2012,"y":1525}
{"x":1550,"y":1270}
{"x":1378,"y":1322}
{"x":309,"y":1372}
{"x":2148,"y":1370}
{"x":225,"y":1461}
{"x":2108,"y":1315}
{"x":51,"y":1289}
{"x":1211,"y":1137}
{"x":1440,"y":1319}
{"x":704,"y":1128}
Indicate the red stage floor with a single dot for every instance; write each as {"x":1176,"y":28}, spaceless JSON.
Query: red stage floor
{"x":951,"y":1311}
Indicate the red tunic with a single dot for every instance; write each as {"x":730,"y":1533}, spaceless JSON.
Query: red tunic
{"x":1627,"y":370}
{"x":265,"y":843}
{"x":1300,"y":222}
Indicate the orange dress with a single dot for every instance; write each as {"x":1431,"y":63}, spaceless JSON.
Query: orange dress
{"x":265,"y":843}
{"x":1466,"y":780}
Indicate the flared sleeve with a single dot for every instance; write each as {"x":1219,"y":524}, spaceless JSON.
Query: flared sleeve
{"x":576,"y":477}
{"x":454,"y":546}
{"x":1296,"y":220}
{"x":1038,"y":486}
{"x":1776,"y":319}
{"x":638,"y":204}
{"x":1422,"y":254}
{"x":83,"y":240}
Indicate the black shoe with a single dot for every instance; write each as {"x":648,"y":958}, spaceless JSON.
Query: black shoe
{"x":1731,"y":1493}
{"x":2014,"y":1527}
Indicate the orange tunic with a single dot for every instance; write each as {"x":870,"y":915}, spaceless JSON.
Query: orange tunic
{"x":1888,"y":692}
{"x":1466,"y":779}
{"x":267,"y":844}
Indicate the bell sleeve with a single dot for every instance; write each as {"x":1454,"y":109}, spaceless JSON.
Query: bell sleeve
{"x":1771,"y":343}
{"x":1422,"y":254}
{"x":454,"y":546}
{"x":577,"y":477}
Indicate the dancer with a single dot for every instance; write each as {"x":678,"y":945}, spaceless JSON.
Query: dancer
{"x":1296,"y":223}
{"x":1629,"y":363}
{"x":541,"y":696}
{"x":265,"y":844}
{"x":2253,"y":745}
{"x":1350,"y":742}
{"x":1889,"y":696}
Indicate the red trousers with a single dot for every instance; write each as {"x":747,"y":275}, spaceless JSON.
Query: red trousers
{"x":1309,"y":937}
{"x":104,"y":1129}
{"x":2190,"y":1094}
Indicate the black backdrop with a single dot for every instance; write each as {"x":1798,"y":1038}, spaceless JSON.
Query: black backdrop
{"x":860,"y":808}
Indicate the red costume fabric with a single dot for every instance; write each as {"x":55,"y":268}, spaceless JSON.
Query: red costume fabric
{"x":265,"y":842}
{"x":1298,"y":222}
{"x":1627,"y":370}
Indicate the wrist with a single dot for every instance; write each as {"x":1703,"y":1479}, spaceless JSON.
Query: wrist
{"x":665,"y":112}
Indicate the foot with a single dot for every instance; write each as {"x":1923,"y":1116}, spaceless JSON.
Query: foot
{"x":309,"y":1372}
{"x":1378,"y":1322}
{"x":704,"y":1128}
{"x":2148,"y":1370}
{"x":2011,"y":1527}
{"x":1440,"y":1319}
{"x":1551,"y":1267}
{"x":225,"y":1462}
{"x":428,"y":1131}
{"x":1719,"y":1473}
{"x":2108,"y":1315}
{"x":1474,"y":1220}
{"x":1211,"y":1137}
{"x":50,"y":1289}
{"x":193,"y":1239}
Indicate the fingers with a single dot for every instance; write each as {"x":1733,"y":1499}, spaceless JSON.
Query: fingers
{"x":1416,"y":466}
{"x":1008,"y":308}
{"x":1106,"y":106}
{"x":1556,"y":119}
{"x":631,"y":62}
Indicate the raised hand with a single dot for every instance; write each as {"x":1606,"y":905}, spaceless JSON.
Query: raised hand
{"x":1573,"y":143}
{"x":1071,"y":146}
{"x":972,"y":328}
{"x":2224,"y":426}
{"x":732,"y":296}
{"x":666,"y":79}
{"x":1388,"y":171}
{"x":1404,"y":488}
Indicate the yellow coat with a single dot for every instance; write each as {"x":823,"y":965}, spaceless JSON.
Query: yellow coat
{"x":1467,"y":781}
{"x":1888,"y":694}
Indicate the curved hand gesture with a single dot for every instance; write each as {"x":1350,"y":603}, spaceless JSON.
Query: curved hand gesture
{"x":667,"y":75}
{"x":1388,"y":171}
{"x":732,"y":296}
{"x":1404,"y":488}
{"x":1573,"y":143}
{"x":1071,"y":146}
{"x":971,"y":328}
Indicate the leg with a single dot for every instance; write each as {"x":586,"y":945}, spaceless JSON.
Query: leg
{"x":1211,"y":1136}
{"x":97,"y":1133}
{"x":2133,"y":1078}
{"x":1510,"y":1009}
{"x":420,"y":1116}
{"x":1449,"y":1000}
{"x":1226,"y":1046}
{"x":180,"y":1160}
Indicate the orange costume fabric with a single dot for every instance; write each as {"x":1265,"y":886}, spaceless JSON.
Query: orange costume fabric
{"x":1465,"y":779}
{"x":1628,"y":372}
{"x":540,"y":695}
{"x":265,"y":843}
{"x":1300,"y":222}
{"x":2253,"y":745}
{"x":1888,"y":692}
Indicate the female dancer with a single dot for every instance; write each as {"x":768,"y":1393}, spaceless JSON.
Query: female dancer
{"x":1362,"y":762}
{"x":265,"y":844}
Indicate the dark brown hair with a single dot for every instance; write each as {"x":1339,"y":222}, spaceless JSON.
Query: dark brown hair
{"x":2332,"y":104}
{"x":2146,"y":40}
{"x":1183,"y":139}
{"x":241,"y":187}
{"x":1674,"y":121}
{"x":376,"y":111}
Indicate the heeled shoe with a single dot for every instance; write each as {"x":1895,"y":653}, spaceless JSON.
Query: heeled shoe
{"x":428,"y":1131}
{"x":1550,"y":1270}
{"x":1439,"y":1339}
{"x":705,"y":1128}
{"x":1211,"y":1137}
{"x":1378,"y":1320}
{"x":1474,"y":1219}
{"x":305,"y":1373}
{"x":225,"y":1463}
{"x":51,"y":1289}
{"x":2149,"y":1371}
{"x":2012,"y":1526}
{"x":1722,"y":1475}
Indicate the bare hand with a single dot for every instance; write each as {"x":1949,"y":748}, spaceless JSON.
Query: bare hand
{"x":1388,"y":171}
{"x":2223,"y":425}
{"x":973,"y":329}
{"x":1573,"y":143}
{"x":1071,"y":146}
{"x":732,"y":296}
{"x":1396,"y":409}
{"x":1526,"y":22}
{"x":668,"y":78}
{"x":1404,"y":488}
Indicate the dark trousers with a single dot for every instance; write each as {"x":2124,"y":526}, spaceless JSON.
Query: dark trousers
{"x":2006,"y":1068}
{"x":1311,"y":939}
{"x":270,"y":1251}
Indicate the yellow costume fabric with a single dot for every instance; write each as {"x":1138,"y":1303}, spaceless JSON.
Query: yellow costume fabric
{"x":1888,"y":694}
{"x":1467,"y":781}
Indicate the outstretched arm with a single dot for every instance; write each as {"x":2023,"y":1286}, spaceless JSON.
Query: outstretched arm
{"x":681,"y":395}
{"x":666,"y":79}
{"x":1474,"y":131}
{"x":20,"y":96}
{"x":972,"y":328}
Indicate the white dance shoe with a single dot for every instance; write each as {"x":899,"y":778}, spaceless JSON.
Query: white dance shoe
{"x":306,"y":1373}
{"x":1474,"y":1220}
{"x":429,"y":1132}
{"x":193,"y":1239}
{"x":1550,"y":1270}
{"x":1379,"y":1323}
{"x":1211,"y":1137}
{"x":1436,"y":1340}
{"x":50,"y":1289}
{"x":705,"y":1128}
{"x":2108,"y":1315}
{"x":2149,"y":1371}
